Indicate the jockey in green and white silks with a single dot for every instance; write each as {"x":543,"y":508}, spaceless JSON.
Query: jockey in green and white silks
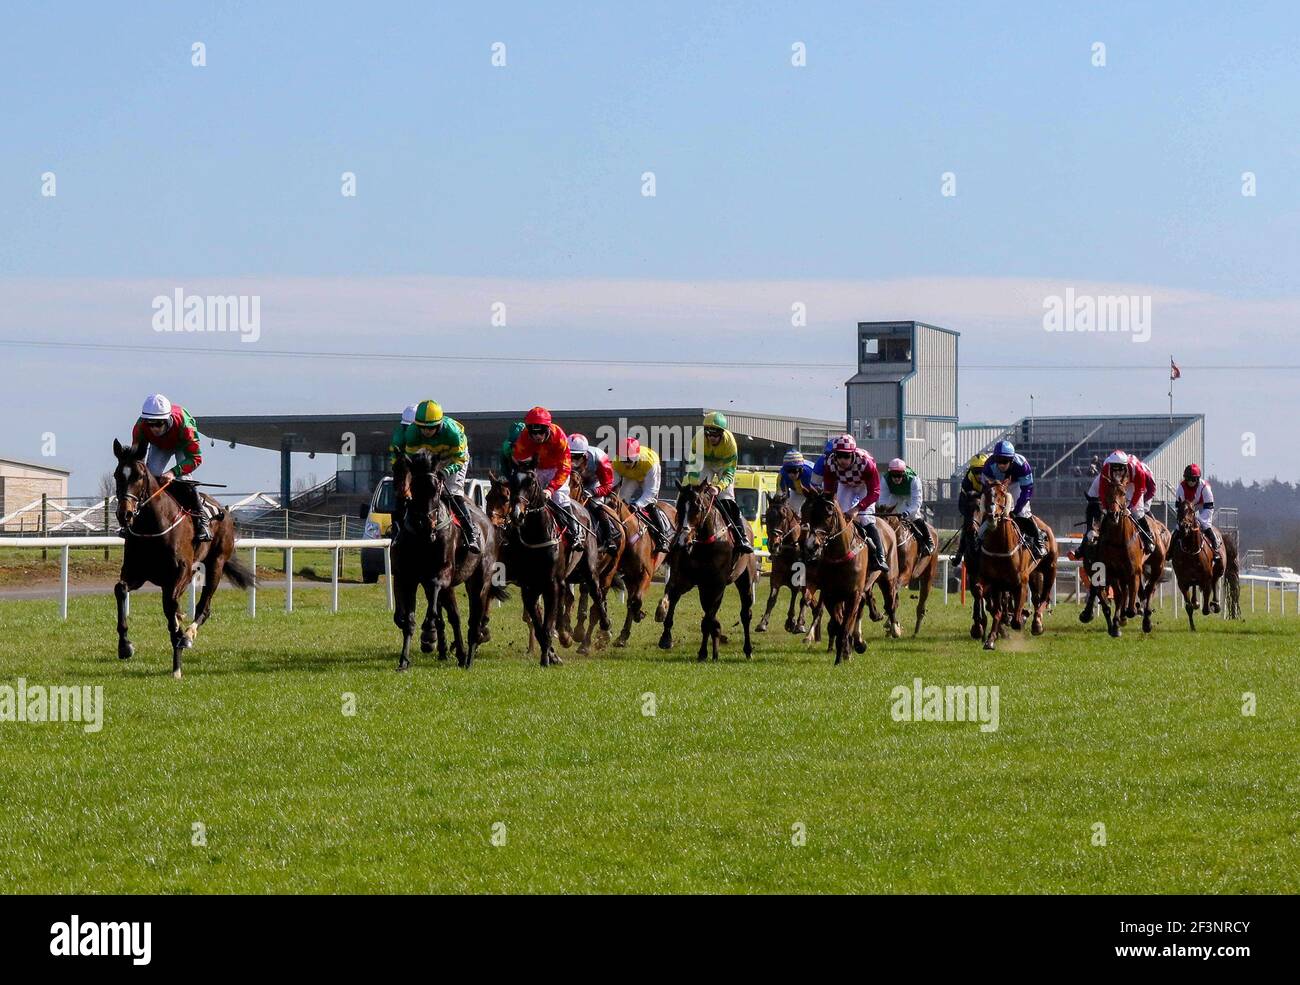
{"x":714,"y":457}
{"x":901,"y":494}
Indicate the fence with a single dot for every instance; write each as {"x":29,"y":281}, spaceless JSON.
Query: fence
{"x":1069,"y":569}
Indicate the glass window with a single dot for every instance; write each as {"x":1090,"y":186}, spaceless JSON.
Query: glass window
{"x":870,"y":350}
{"x":747,"y":499}
{"x":384,"y":498}
{"x":887,"y":428}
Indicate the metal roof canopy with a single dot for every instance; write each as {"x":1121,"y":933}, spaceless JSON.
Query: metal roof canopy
{"x":324,"y":433}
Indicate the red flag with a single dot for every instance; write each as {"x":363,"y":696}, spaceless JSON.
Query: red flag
{"x":1174,"y":371}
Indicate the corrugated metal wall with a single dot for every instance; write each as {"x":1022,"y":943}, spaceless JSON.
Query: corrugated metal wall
{"x":932,"y":389}
{"x":932,"y":455}
{"x":1169,"y":460}
{"x":970,"y":441}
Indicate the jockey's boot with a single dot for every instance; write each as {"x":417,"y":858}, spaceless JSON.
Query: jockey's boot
{"x":570,"y":522}
{"x":657,"y":526}
{"x":201,"y":532}
{"x":739,"y":529}
{"x":1033,"y":536}
{"x":1213,"y":536}
{"x":922,"y":531}
{"x":877,"y":553}
{"x":468,"y":528}
{"x":1144,"y":529}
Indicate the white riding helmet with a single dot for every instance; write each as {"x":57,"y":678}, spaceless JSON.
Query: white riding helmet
{"x":1117,"y":457}
{"x":577,"y":444}
{"x":897,"y":465}
{"x":156,"y":408}
{"x":408,"y":415}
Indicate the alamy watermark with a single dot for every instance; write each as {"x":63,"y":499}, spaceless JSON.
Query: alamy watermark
{"x":1098,"y":313}
{"x":954,"y":703}
{"x":181,"y":312}
{"x":37,"y":703}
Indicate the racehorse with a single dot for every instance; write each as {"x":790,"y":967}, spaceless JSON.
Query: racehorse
{"x":1116,"y":563}
{"x":639,"y":563}
{"x":430,"y":553}
{"x":788,"y":568}
{"x":1199,"y":569}
{"x":911,"y":566}
{"x":541,"y":560}
{"x":1009,"y":577}
{"x":160,"y":549}
{"x":831,"y":543}
{"x":704,"y":556}
{"x":608,"y":565}
{"x":887,"y":582}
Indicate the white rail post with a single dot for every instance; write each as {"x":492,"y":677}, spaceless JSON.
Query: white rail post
{"x":388,"y":576}
{"x":334,"y":581}
{"x":252,"y":589}
{"x":194,"y":595}
{"x":1252,"y":595}
{"x":288,"y":579}
{"x":1268,"y":596}
{"x":63,"y":582}
{"x":947,"y":562}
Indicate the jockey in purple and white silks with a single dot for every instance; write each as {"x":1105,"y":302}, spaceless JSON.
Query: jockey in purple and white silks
{"x":1003,"y":465}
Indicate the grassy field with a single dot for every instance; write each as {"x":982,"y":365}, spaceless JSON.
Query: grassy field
{"x":1145,"y":736}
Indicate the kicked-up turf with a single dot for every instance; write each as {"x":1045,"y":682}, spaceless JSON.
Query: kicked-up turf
{"x":291,"y":758}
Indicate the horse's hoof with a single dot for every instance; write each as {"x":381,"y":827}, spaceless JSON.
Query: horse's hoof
{"x":1214,"y":606}
{"x":584,"y":650}
{"x":428,"y":648}
{"x":749,"y":653}
{"x":1146,"y":625}
{"x":722,"y":638}
{"x":799,"y":629}
{"x":1085,"y":616}
{"x":403,"y":665}
{"x":665,"y":643}
{"x":702,"y":658}
{"x":762,"y":628}
{"x":875,"y":616}
{"x":976,"y":632}
{"x":556,"y":661}
{"x":176,"y":674}
{"x":1116,"y":632}
{"x":125,"y":650}
{"x":621,"y":642}
{"x":1017,"y":624}
{"x":1037,"y":628}
{"x":859,"y":646}
{"x":988,"y":645}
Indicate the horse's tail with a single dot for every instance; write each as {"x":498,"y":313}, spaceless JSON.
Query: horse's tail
{"x":1231,"y":574}
{"x":240,"y":575}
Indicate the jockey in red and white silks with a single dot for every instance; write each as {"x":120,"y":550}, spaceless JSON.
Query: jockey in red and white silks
{"x":852,"y":478}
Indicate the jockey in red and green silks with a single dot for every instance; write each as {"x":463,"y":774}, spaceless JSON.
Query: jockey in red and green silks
{"x":169,"y":432}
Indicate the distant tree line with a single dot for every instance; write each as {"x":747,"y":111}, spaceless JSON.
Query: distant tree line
{"x":1268,"y":516}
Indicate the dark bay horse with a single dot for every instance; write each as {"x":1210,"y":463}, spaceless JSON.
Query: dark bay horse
{"x":886,"y":581}
{"x":704,"y":557}
{"x":160,"y":549}
{"x":788,"y":567}
{"x":608,"y":565}
{"x":911,"y":566}
{"x":1199,"y":569}
{"x":1009,"y":578}
{"x":540,"y":559}
{"x":431,"y":553}
{"x":832,"y":543}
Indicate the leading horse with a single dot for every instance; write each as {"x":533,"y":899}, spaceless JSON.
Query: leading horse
{"x":704,"y":556}
{"x":160,"y":549}
{"x":1009,"y":577}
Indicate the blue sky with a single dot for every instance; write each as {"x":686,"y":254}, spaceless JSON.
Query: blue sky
{"x":475,"y":183}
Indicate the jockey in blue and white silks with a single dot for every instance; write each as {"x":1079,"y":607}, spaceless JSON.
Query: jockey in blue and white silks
{"x":796,"y":478}
{"x":1003,"y":465}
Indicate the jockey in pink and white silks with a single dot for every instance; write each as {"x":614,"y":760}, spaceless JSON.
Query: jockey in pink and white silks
{"x":901,"y":495}
{"x":1130,"y":473}
{"x":1196,"y":491}
{"x":852,"y":478}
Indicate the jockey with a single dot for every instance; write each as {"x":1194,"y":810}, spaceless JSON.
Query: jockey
{"x":1005,"y":465}
{"x":852,"y":478}
{"x":819,"y":467}
{"x":542,"y":443}
{"x":1201,"y":497}
{"x":968,"y":497}
{"x":902,"y":494}
{"x":170,"y":432}
{"x":397,"y":443}
{"x":638,"y":466}
{"x":593,"y":466}
{"x":508,"y":448}
{"x":1122,"y":470}
{"x":796,"y":478}
{"x":444,"y":439}
{"x":713,"y":459}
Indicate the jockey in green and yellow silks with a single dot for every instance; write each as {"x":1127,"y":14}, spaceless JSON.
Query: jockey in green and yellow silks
{"x":444,"y":439}
{"x":714,"y":457}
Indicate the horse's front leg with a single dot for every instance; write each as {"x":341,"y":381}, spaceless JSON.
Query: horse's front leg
{"x":432,"y":618}
{"x":125,"y":648}
{"x":171,"y":610}
{"x":996,"y":615}
{"x":1022,"y":597}
{"x":745,"y":585}
{"x":404,"y":610}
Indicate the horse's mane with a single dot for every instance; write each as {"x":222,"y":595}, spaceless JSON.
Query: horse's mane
{"x":422,"y":462}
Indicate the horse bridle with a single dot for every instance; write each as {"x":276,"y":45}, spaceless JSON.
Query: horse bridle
{"x":181,"y":513}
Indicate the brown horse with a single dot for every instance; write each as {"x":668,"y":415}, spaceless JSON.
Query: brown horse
{"x":887,"y":582}
{"x":1115,"y":565}
{"x":431,"y":553}
{"x":911,"y":565}
{"x":160,"y":549}
{"x":541,"y":560}
{"x":832,"y":543}
{"x":704,"y":556}
{"x":639,"y":563}
{"x":1198,"y":568}
{"x":1009,"y":577}
{"x":609,"y":562}
{"x":788,"y":567}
